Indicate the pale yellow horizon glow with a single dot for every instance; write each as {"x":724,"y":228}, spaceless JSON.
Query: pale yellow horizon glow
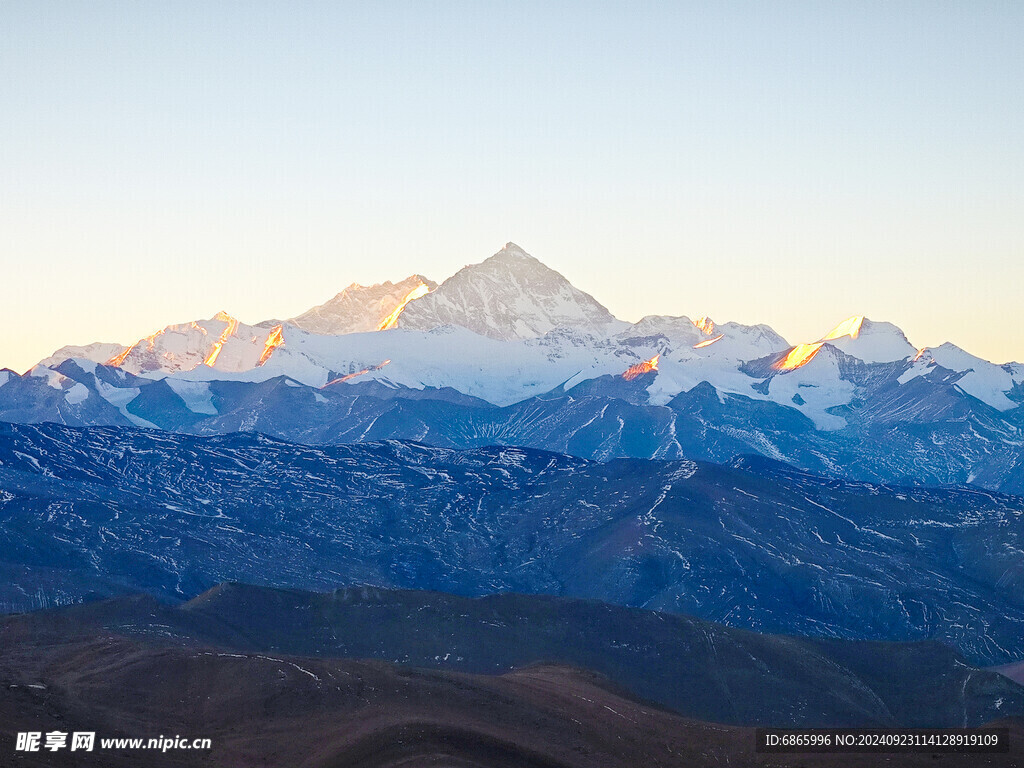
{"x":787,"y":164}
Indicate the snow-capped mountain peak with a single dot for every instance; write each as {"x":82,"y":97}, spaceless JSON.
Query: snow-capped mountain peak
{"x":222,"y":342}
{"x":705,"y":325}
{"x":510,"y":295}
{"x":512,"y":252}
{"x":983,"y":380}
{"x":870,"y":341}
{"x":857,"y":336}
{"x":97,"y":352}
{"x":359,"y":308}
{"x":849,"y":327}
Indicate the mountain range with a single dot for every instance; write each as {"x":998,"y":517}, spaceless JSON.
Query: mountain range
{"x":485,"y":522}
{"x":509,"y":352}
{"x":755,"y":544}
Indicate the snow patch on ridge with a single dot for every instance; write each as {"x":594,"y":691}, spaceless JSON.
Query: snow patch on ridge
{"x":196,"y":395}
{"x":76,"y":394}
{"x":985,"y":381}
{"x":814,"y":388}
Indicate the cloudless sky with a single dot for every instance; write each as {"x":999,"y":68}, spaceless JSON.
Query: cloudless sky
{"x":790,"y":163}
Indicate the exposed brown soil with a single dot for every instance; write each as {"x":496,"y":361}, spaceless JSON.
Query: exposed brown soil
{"x":275,"y":710}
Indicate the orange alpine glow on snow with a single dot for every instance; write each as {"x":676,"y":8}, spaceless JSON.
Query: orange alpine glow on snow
{"x":274,"y":340}
{"x":641,"y":368}
{"x":390,"y":320}
{"x":799,"y":355}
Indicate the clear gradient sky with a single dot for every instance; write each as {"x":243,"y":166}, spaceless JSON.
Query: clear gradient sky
{"x":791,"y":163}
